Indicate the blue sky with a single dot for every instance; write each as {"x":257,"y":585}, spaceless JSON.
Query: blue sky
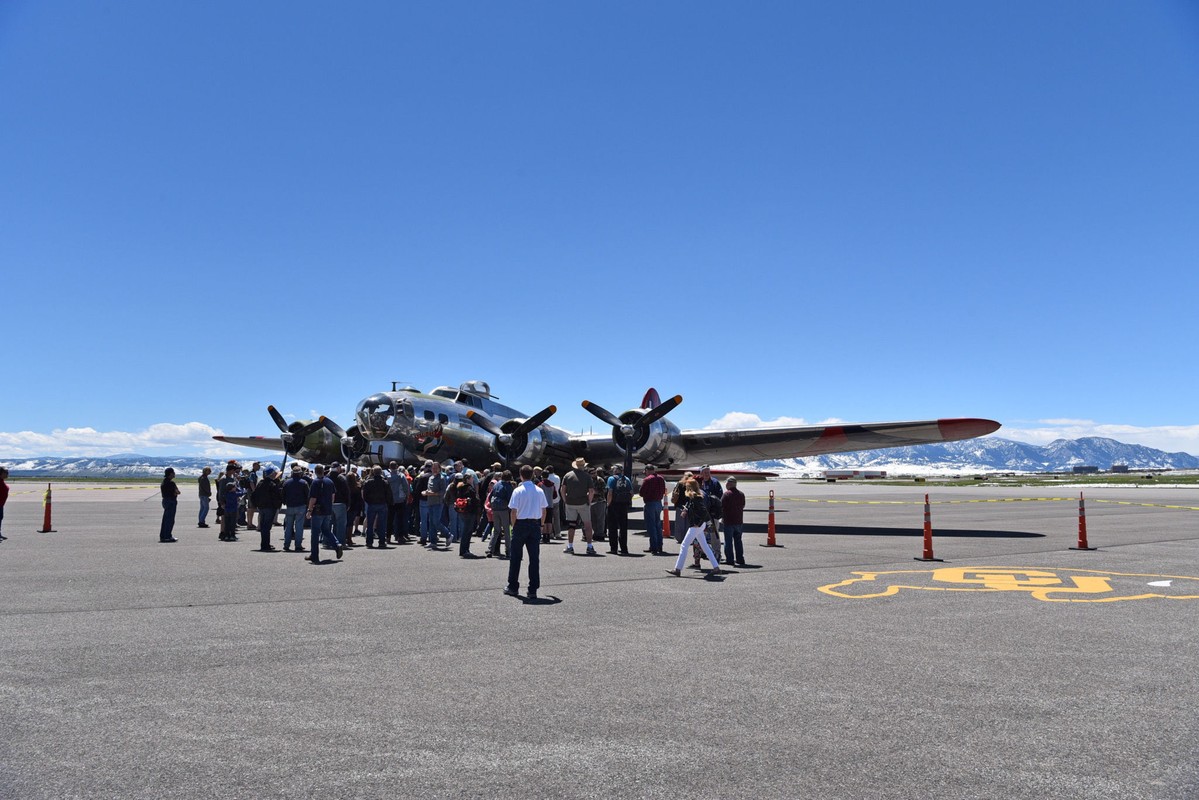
{"x":783,"y":211}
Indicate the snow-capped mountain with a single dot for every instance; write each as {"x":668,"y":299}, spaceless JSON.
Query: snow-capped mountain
{"x":988,"y":454}
{"x":121,"y":466}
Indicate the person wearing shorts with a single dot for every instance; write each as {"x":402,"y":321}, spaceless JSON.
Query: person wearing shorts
{"x":578,"y":490}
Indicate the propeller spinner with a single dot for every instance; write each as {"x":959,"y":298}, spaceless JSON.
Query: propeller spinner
{"x":293,"y":436}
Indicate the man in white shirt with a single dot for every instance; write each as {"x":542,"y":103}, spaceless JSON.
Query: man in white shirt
{"x":527,"y":509}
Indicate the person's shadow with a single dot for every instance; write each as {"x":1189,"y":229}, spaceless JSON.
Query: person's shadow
{"x":546,"y":600}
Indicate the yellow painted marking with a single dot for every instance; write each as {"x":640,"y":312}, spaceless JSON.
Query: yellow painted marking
{"x":1090,"y":586}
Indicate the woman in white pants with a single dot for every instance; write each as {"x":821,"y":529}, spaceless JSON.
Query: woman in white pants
{"x":697,"y":517}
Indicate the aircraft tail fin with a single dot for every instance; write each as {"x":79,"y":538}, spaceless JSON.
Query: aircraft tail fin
{"x":651,"y":399}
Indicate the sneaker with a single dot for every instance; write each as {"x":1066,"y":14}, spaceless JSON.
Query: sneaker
{"x":590,"y":550}
{"x":569,"y":549}
{"x":338,"y":549}
{"x":508,"y":590}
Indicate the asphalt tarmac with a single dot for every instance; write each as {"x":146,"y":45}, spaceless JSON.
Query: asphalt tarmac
{"x":836,"y":666}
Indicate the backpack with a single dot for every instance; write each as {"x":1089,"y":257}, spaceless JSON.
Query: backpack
{"x":622,"y":491}
{"x":697,"y":512}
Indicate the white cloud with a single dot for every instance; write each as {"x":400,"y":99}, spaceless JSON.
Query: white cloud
{"x":165,"y":438}
{"x":1171,"y":438}
{"x":742,"y":419}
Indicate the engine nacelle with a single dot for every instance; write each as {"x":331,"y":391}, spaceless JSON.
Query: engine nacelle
{"x":319,"y":447}
{"x":526,"y":448}
{"x":657,"y":444}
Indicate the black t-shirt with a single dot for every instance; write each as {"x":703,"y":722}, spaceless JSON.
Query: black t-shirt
{"x":341,"y":489}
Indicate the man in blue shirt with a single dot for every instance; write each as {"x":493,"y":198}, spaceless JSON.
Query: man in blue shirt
{"x":295,"y":500}
{"x":320,"y":514}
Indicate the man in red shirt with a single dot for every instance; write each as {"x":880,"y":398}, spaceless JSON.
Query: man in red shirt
{"x":732,"y":507}
{"x":653,"y":489}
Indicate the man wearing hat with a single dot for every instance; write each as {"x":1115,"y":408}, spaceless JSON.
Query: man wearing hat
{"x":268,"y":499}
{"x":295,"y":498}
{"x":578,"y":490}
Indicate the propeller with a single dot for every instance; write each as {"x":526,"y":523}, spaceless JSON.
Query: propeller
{"x":293,"y":436}
{"x":628,"y":436}
{"x":511,"y":443}
{"x":350,"y":443}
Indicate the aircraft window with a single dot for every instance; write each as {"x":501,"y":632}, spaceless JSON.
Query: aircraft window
{"x":375,"y":414}
{"x":429,"y":415}
{"x":406,"y":408}
{"x":443,"y":419}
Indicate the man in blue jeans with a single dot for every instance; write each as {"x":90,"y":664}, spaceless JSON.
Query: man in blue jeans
{"x":434,"y":505}
{"x":653,"y":489}
{"x":295,"y":500}
{"x":527,"y":511}
{"x":205,"y":487}
{"x":320,"y":514}
{"x":341,"y":503}
{"x":732,"y":504}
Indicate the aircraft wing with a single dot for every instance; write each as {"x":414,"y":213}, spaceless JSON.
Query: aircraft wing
{"x":762,"y":444}
{"x":261,"y":442}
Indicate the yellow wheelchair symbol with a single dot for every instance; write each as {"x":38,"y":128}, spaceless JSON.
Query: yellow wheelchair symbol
{"x":1083,"y":586}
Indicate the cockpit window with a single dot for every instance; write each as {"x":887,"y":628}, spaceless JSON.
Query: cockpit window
{"x":469,"y":400}
{"x":375,"y":415}
{"x":429,"y":415}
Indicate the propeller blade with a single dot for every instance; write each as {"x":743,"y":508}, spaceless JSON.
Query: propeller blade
{"x":603,"y":413}
{"x":484,"y":423}
{"x":655,"y":414}
{"x":535,"y":421}
{"x":309,"y":429}
{"x":333,"y":427}
{"x":278,"y":418}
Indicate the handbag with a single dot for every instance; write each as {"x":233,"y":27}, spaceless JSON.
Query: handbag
{"x":679,"y":531}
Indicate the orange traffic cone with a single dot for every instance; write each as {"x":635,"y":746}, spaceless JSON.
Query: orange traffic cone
{"x":1082,"y":526}
{"x":47,"y":504}
{"x":770,"y":542}
{"x":928,"y":534}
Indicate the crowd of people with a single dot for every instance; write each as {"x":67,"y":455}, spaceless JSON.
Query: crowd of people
{"x":511,"y":515}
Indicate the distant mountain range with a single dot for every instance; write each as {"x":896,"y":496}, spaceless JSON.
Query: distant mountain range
{"x":975,"y":455}
{"x":991,"y":455}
